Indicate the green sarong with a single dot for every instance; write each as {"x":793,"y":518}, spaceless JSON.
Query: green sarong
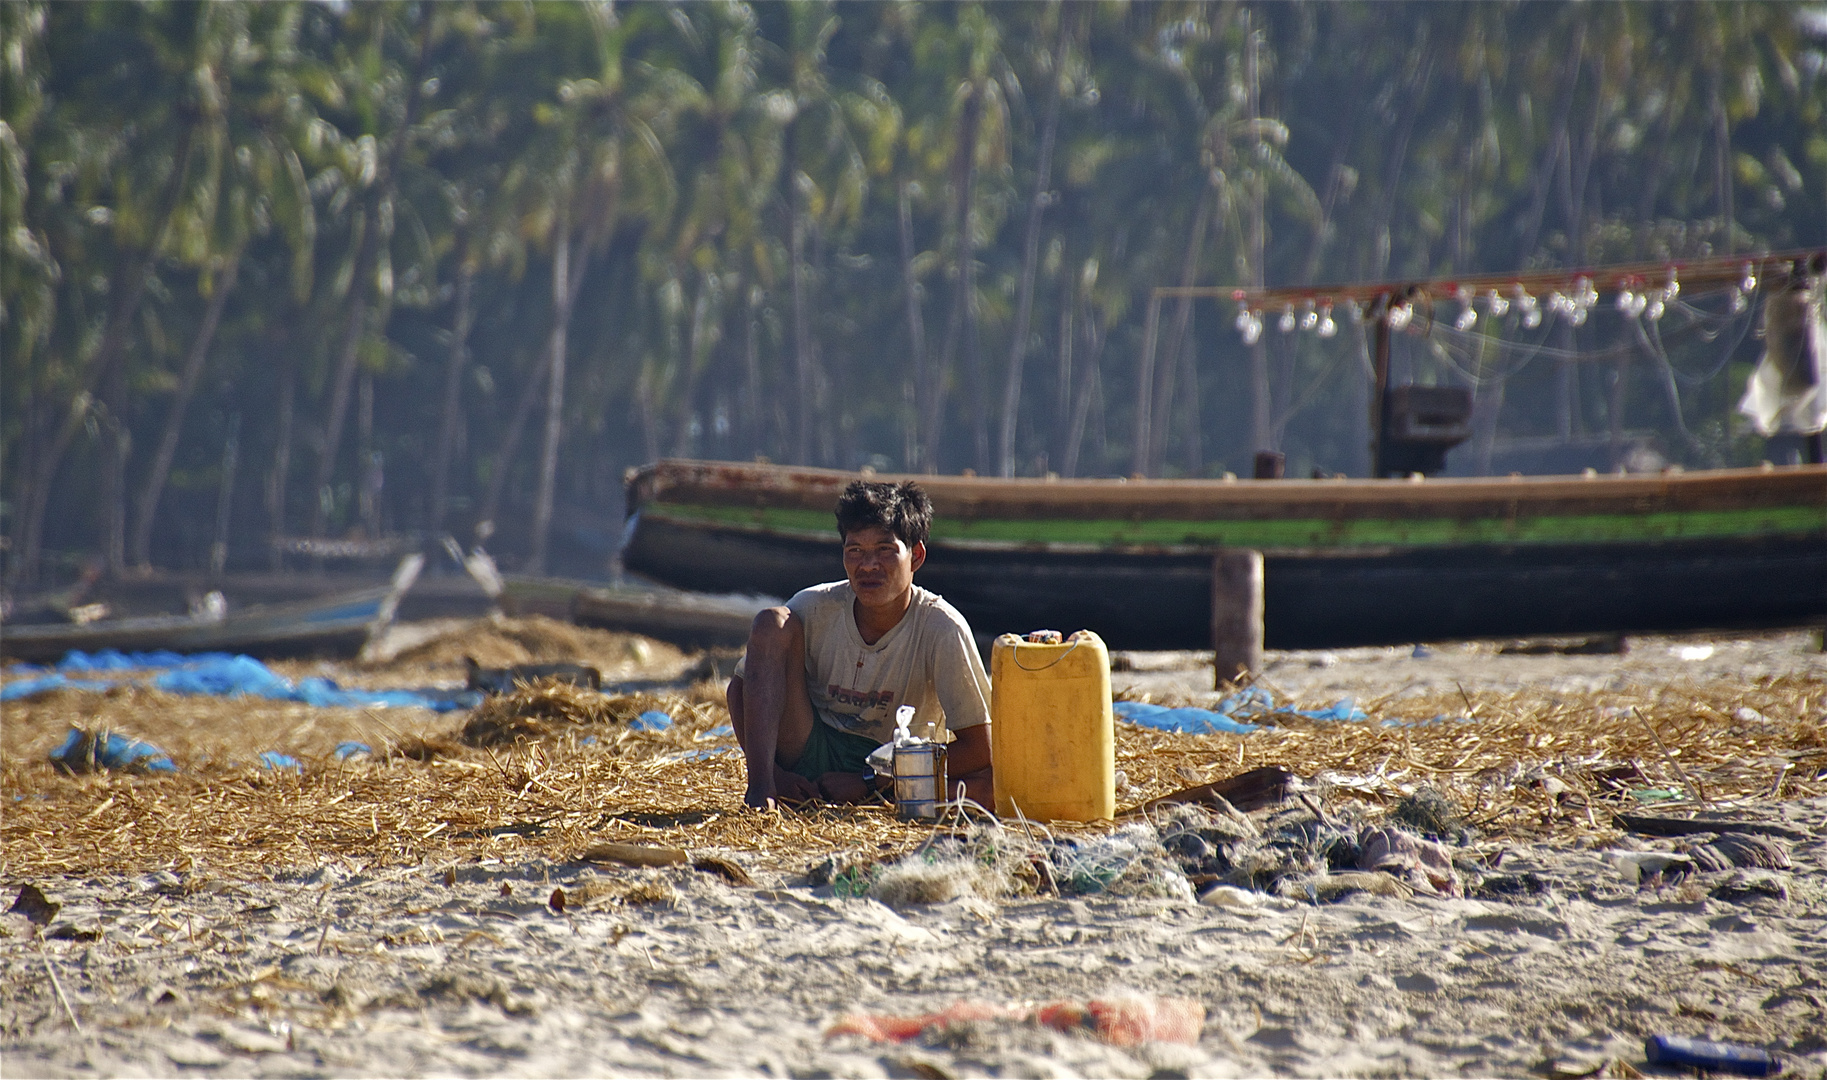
{"x":830,"y":750}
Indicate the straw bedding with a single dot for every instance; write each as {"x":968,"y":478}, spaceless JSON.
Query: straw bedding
{"x":555,"y":769}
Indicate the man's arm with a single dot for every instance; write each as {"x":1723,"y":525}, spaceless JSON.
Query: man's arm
{"x":969,"y":753}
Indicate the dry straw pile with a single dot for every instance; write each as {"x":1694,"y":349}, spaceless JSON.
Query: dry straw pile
{"x":554,"y":770}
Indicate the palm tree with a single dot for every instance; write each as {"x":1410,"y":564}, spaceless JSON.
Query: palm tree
{"x":380,"y":170}
{"x":253,"y":182}
{"x":145,"y":66}
{"x":1043,"y":177}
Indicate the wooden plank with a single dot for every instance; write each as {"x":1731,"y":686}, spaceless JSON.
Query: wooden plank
{"x":1236,"y":615}
{"x":1650,"y":825}
{"x":1267,"y":785}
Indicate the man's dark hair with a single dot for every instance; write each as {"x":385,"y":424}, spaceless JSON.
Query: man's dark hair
{"x":903,"y":509}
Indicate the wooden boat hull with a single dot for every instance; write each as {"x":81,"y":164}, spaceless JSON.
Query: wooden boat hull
{"x":690,"y":620}
{"x":331,"y":626}
{"x":1346,"y":563}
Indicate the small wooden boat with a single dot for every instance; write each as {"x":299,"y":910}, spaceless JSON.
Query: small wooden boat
{"x":686,"y":619}
{"x":1346,"y":562}
{"x":325,"y":626}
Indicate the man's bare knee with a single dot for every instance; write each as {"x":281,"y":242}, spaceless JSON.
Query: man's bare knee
{"x":775,"y":629}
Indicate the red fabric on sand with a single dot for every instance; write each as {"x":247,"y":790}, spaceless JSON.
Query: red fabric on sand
{"x":1123,"y":1021}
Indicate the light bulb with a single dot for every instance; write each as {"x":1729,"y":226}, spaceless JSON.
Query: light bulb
{"x":1739,"y":303}
{"x":1625,"y":299}
{"x":1496,"y":304}
{"x":1309,"y":318}
{"x":1327,"y":327}
{"x":1467,"y":318}
{"x":1286,"y":323}
{"x":1399,"y":316}
{"x":1655,"y":307}
{"x":1673,"y":288}
{"x":1252,"y":330}
{"x":1749,"y":284}
{"x":1243,"y":319}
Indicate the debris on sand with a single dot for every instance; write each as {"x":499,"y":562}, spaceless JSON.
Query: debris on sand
{"x":503,"y":680}
{"x":1292,"y":853}
{"x":551,"y":706}
{"x":504,"y":641}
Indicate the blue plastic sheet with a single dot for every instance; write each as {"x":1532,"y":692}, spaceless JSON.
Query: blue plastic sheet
{"x":24,"y":688}
{"x":1232,"y":715}
{"x":273,"y":759}
{"x":78,"y":662}
{"x":81,"y":752}
{"x":352,"y":749}
{"x":651,"y":720}
{"x":1185,"y":721}
{"x":701,"y":755}
{"x":223,"y":675}
{"x":721,"y":731}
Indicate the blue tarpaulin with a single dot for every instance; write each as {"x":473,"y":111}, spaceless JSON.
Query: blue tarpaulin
{"x":1184,"y":721}
{"x":82,"y":752}
{"x":222,"y":675}
{"x":651,"y":720}
{"x":1230,"y":716}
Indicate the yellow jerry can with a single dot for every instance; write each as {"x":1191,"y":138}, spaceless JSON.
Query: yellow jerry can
{"x":1052,"y":737}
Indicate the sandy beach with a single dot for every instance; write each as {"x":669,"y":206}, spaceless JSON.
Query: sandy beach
{"x":403,"y":916}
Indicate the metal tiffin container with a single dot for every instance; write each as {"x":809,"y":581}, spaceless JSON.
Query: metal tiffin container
{"x":919,"y":770}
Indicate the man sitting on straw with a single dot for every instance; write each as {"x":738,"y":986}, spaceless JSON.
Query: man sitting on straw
{"x":823,"y":676}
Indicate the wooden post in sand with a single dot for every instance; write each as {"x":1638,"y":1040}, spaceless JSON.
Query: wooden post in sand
{"x":1236,"y":614}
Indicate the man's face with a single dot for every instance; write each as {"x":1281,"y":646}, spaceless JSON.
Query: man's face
{"x":880,"y":567}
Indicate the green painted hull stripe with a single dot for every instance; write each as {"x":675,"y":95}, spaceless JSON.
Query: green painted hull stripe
{"x":1301,"y":532}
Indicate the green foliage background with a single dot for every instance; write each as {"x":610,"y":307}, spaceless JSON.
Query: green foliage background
{"x":802,"y":230}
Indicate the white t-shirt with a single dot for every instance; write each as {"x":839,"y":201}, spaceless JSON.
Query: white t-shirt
{"x":928,"y":661}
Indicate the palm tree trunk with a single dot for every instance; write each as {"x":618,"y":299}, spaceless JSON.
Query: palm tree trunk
{"x":567,"y":285}
{"x":367,"y":256}
{"x":1261,"y":405}
{"x":964,"y":173}
{"x":1195,"y":438}
{"x":510,"y":446}
{"x":1559,"y":143}
{"x":803,"y":411}
{"x":225,"y":497}
{"x":918,"y":454}
{"x":282,"y":460}
{"x":174,"y":421}
{"x":115,"y":445}
{"x":555,"y":392}
{"x":1176,"y":340}
{"x":754,"y":408}
{"x":1062,"y":376}
{"x":1024,"y":304}
{"x":1087,"y":388}
{"x":1722,"y":161}
{"x":453,"y":387}
{"x":127,"y":288}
